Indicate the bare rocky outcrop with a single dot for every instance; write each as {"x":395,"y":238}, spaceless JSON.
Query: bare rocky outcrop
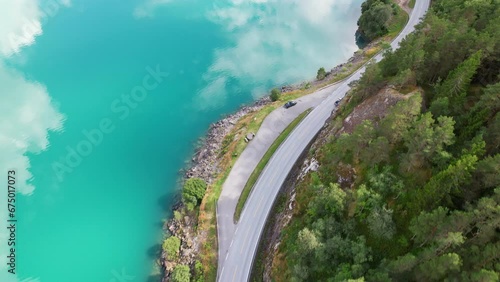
{"x":373,"y":108}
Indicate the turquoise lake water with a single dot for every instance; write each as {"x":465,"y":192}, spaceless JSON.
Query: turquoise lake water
{"x":98,"y":217}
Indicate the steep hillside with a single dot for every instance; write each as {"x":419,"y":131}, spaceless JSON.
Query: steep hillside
{"x":423,"y":198}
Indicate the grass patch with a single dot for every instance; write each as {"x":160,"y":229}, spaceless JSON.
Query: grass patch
{"x":411,"y":4}
{"x":263,"y":162}
{"x":398,"y":22}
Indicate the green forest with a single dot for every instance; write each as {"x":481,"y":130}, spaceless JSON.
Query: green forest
{"x":424,"y":202}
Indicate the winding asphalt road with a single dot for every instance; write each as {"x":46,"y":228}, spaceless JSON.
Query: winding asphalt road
{"x":235,"y":264}
{"x":270,"y":129}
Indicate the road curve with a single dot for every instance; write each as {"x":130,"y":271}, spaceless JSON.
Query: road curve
{"x":236,"y":264}
{"x":235,"y":182}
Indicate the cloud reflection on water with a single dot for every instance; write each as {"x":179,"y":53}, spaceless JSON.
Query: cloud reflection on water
{"x":277,"y":42}
{"x":273,"y":42}
{"x":27,"y":113}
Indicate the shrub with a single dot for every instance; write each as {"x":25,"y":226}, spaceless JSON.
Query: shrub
{"x":190,"y":206}
{"x":181,"y":273}
{"x":177,"y":215}
{"x":171,"y":246}
{"x":321,"y":74}
{"x":275,"y":94}
{"x":198,"y":271}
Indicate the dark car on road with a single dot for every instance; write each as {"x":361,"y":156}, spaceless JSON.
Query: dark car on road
{"x":290,"y":104}
{"x":337,"y":102}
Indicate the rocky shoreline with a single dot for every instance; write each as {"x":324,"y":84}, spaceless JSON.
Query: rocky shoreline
{"x":205,"y":165}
